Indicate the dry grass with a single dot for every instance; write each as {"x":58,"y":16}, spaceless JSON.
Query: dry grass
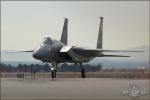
{"x":102,"y":74}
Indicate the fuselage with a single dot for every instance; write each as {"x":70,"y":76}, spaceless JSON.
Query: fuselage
{"x":49,"y":51}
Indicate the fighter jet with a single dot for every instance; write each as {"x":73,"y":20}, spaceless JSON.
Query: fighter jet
{"x":57,"y":51}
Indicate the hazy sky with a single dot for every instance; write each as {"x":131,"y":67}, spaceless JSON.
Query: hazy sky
{"x":24,"y":24}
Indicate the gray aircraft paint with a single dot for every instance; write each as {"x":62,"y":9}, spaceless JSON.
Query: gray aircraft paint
{"x":64,"y":36}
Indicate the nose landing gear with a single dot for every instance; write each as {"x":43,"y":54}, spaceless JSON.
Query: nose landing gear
{"x":53,"y":73}
{"x":54,"y":70}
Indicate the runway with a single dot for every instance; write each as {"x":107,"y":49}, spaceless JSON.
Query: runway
{"x":73,"y":89}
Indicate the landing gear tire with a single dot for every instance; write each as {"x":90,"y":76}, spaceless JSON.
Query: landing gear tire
{"x":83,"y":73}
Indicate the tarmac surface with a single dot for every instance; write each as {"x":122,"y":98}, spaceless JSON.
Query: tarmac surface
{"x":74,"y":89}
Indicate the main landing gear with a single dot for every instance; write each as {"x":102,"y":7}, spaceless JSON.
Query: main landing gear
{"x":55,"y":65}
{"x":83,"y":71}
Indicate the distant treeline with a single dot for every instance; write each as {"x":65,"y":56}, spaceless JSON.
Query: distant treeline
{"x":46,"y":68}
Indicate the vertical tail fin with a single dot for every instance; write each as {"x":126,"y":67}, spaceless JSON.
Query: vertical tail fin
{"x":100,"y":35}
{"x":64,"y":36}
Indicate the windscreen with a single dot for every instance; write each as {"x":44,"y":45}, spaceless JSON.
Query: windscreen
{"x":47,"y":40}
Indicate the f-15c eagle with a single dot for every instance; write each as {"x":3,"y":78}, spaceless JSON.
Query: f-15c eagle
{"x":55,"y":52}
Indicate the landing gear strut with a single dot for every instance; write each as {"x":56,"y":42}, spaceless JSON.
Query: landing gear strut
{"x":83,"y":71}
{"x":54,"y":70}
{"x":53,"y":73}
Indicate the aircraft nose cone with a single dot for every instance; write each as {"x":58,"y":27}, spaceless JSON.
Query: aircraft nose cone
{"x":41,"y":53}
{"x":38,"y":54}
{"x":34,"y":55}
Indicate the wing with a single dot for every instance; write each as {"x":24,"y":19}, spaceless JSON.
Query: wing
{"x":27,"y":51}
{"x":92,"y":52}
{"x":19,"y":51}
{"x":114,"y":56}
{"x":100,"y":50}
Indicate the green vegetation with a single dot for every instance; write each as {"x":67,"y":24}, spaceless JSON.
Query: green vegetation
{"x":46,"y":68}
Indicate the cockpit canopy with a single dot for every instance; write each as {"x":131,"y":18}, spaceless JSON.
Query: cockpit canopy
{"x":47,"y":40}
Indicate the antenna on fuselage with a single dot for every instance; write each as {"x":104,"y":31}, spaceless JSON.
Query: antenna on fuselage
{"x":64,"y":36}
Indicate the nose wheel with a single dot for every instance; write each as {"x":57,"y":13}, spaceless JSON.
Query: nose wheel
{"x":53,"y":73}
{"x":54,"y":70}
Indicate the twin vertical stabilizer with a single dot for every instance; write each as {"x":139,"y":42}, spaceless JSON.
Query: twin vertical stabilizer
{"x":64,"y":36}
{"x":100,"y":35}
